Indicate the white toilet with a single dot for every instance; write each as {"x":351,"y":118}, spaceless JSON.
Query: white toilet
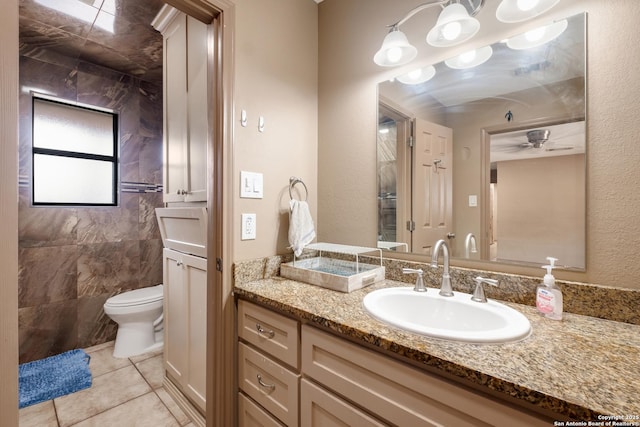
{"x":138,"y":314}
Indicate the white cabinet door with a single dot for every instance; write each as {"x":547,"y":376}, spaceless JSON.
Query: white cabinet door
{"x":185,"y":284}
{"x":186,"y":116}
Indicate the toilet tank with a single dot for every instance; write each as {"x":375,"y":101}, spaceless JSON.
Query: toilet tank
{"x":184,"y":229}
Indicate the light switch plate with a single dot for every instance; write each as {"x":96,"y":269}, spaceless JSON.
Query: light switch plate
{"x":248,"y":226}
{"x":473,"y":201}
{"x":251,"y":185}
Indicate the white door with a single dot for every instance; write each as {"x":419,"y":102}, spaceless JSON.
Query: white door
{"x":432,"y":207}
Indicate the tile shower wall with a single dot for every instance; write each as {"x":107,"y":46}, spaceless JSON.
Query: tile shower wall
{"x":71,"y":259}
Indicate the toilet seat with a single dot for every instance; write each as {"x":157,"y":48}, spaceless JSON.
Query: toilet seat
{"x":136,"y":297}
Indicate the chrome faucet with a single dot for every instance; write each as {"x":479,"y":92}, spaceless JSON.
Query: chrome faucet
{"x":470,"y":245}
{"x":419,"y":287}
{"x":445,"y":287}
{"x":478,"y":293}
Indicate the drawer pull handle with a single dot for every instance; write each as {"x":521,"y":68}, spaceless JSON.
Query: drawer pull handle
{"x":271,"y":387}
{"x":262,"y":331}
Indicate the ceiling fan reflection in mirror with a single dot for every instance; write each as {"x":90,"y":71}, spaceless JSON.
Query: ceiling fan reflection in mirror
{"x":538,"y":142}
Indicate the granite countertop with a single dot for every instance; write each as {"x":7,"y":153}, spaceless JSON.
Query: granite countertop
{"x":581,"y":367}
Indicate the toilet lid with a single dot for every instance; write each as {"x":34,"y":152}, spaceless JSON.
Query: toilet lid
{"x":137,"y":297}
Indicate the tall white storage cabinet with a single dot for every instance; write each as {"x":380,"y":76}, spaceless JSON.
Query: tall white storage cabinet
{"x":186,"y":124}
{"x":184,"y":234}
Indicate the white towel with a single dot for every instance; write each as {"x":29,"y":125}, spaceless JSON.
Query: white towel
{"x":301,"y":230}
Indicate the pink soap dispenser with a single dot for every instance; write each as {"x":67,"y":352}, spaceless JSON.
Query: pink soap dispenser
{"x":548,"y":295}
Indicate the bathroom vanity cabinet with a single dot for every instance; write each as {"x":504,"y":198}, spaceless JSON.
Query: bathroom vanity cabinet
{"x":186,"y":125}
{"x":292,"y":374}
{"x":185,"y":319}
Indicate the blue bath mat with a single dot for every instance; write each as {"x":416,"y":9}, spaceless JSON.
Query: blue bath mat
{"x":54,"y":376}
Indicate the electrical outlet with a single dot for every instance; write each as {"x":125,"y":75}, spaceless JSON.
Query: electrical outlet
{"x":248,"y":226}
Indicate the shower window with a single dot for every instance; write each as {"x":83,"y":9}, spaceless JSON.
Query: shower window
{"x":74,"y":154}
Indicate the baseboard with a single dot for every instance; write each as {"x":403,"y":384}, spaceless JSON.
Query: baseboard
{"x":183,"y":403}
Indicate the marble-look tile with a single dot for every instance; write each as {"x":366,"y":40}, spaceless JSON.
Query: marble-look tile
{"x":138,"y":12}
{"x":152,"y":370}
{"x":103,"y":362}
{"x":107,"y":391}
{"x":151,"y":109}
{"x":144,"y":411}
{"x":148,"y":228}
{"x":46,"y":275}
{"x":150,"y":159}
{"x":47,"y":329}
{"x":45,"y":226}
{"x":109,"y":224}
{"x":94,"y":325}
{"x":54,"y":18}
{"x":108,"y":268}
{"x":39,"y":415}
{"x":104,"y":87}
{"x":173,"y":407}
{"x":150,"y":263}
{"x":130,"y":144}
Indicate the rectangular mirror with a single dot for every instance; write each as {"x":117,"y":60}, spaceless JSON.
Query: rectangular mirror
{"x":489,"y":155}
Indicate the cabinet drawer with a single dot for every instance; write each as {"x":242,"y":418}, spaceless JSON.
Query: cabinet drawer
{"x":252,"y":415}
{"x":269,"y":383}
{"x":399,"y":393}
{"x":318,"y":407}
{"x":269,"y":331}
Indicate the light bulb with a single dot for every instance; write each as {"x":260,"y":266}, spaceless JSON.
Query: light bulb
{"x":394,"y":54}
{"x":468,"y":57}
{"x":415,"y":74}
{"x":535,"y":35}
{"x":526,"y":5}
{"x":452,"y":30}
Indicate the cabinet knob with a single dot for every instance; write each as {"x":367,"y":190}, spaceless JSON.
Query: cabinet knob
{"x":178,"y":263}
{"x":269,"y":334}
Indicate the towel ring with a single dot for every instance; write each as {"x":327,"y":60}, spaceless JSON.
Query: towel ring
{"x":292,"y":183}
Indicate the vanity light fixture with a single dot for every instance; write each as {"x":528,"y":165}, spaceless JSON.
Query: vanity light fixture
{"x":470,"y":59}
{"x":511,"y":11}
{"x":417,"y":76}
{"x":455,"y":25}
{"x":538,"y":36}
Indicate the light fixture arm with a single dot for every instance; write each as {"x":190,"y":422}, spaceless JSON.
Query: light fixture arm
{"x":472,"y":8}
{"x":417,"y":9}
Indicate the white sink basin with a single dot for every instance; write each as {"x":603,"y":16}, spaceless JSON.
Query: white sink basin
{"x":454,"y":318}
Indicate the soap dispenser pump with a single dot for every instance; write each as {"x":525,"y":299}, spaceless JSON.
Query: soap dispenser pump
{"x":548,"y":295}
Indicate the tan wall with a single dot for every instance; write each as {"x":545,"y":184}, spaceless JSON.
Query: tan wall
{"x":539,"y":212}
{"x":351,"y":32}
{"x":276,"y":77}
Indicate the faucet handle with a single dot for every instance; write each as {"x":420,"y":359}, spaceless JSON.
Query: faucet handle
{"x":419,"y":287}
{"x":478,"y":293}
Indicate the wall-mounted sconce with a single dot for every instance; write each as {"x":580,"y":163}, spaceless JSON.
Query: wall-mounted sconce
{"x":456,"y":24}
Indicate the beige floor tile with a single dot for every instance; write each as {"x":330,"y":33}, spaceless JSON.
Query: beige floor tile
{"x":152,"y":370}
{"x":144,"y":356}
{"x":108,"y":390}
{"x":40,"y":415}
{"x":143,"y":411}
{"x":108,"y":344}
{"x":102,"y":361}
{"x":173,"y":407}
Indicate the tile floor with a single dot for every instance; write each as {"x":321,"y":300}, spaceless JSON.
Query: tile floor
{"x":124,"y":393}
